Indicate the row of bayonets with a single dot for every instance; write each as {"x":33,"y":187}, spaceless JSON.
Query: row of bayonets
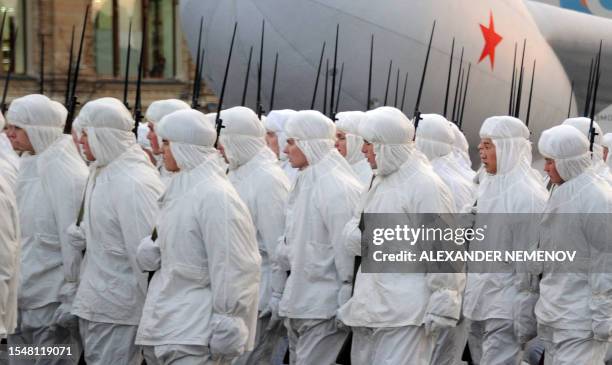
{"x":461,"y":87}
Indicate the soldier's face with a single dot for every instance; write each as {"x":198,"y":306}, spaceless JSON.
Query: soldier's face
{"x":551,"y":169}
{"x":341,"y":142}
{"x":486,"y":149}
{"x":19,"y":139}
{"x":297,"y":159}
{"x":86,"y":148}
{"x":368,"y":150}
{"x":272,"y":142}
{"x":169,"y":161}
{"x":152,"y":137}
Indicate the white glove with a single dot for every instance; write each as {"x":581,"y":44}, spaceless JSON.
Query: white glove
{"x":524,"y":319}
{"x":281,"y":256}
{"x":272,"y":311}
{"x":77,"y":236}
{"x":64,"y":318}
{"x":602,"y":330}
{"x":229,"y":336}
{"x":344,"y":294}
{"x":434,"y":323}
{"x":148,"y":255}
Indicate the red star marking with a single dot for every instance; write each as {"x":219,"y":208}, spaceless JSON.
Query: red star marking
{"x":491,"y":39}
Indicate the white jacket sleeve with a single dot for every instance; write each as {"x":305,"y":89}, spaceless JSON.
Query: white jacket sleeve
{"x":9,"y":262}
{"x":598,"y":231}
{"x":233,"y":257}
{"x":269,"y":219}
{"x":137,"y":211}
{"x":446,"y":288}
{"x":234,"y":268}
{"x":352,"y":236}
{"x":336,"y":212}
{"x":64,"y":184}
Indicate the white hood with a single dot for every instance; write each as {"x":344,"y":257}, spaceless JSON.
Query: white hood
{"x":242,"y":136}
{"x":314,"y":134}
{"x":568,"y":147}
{"x":42,"y":119}
{"x":109,"y":126}
{"x":348,"y":122}
{"x":392,"y":134}
{"x":275,"y":122}
{"x":191,"y":137}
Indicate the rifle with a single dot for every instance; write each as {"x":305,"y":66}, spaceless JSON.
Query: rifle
{"x":194,"y":94}
{"x":467,"y":81}
{"x":69,"y":77}
{"x":592,"y":132}
{"x":587,"y":101}
{"x":511,"y":102}
{"x":138,"y":100}
{"x":530,"y":94}
{"x":246,"y":78}
{"x":73,"y":99}
{"x":388,"y":81}
{"x":258,"y":106}
{"x":41,"y":86}
{"x":396,"y":88}
{"x":569,"y":108}
{"x":519,"y":92}
{"x":417,"y":112}
{"x":3,"y":105}
{"x":127,"y":67}
{"x":457,"y":91}
{"x":218,"y":120}
{"x":404,"y":92}
{"x":333,"y":85}
{"x":448,"y":79}
{"x":274,"y":82}
{"x":326,"y":84}
{"x":339,"y":90}
{"x":370,"y":73}
{"x":314,"y":93}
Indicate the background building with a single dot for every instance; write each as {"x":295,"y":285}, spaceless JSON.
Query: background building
{"x":168,"y":67}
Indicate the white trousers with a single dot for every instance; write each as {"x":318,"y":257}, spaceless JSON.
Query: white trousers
{"x":564,"y":347}
{"x":492,"y":342}
{"x":314,"y":341}
{"x":408,"y":345}
{"x":267,"y":343}
{"x":450,"y":344}
{"x":186,"y":355}
{"x":109,"y":343}
{"x":35,"y":327}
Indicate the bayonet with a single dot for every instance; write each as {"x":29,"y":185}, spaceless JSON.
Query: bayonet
{"x":69,"y":76}
{"x":457,"y":91}
{"x":388,"y":81}
{"x":259,"y":107}
{"x":73,"y":99}
{"x":316,"y":87}
{"x":246,"y":78}
{"x":273,"y":82}
{"x":127,"y":67}
{"x":194,"y":92}
{"x":417,"y":112}
{"x":448,"y":79}
{"x":333,"y":85}
{"x":218,"y":120}
{"x":530,"y":94}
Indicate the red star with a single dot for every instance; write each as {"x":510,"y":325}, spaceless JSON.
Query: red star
{"x":491,"y":39}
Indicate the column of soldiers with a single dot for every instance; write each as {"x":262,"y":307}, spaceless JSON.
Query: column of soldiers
{"x":236,"y":247}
